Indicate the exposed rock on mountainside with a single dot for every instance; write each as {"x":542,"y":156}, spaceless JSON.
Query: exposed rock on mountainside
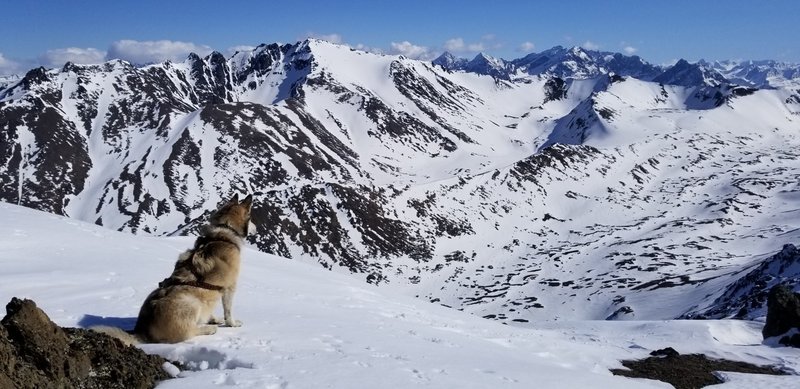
{"x":36,"y":353}
{"x":747,"y":297}
{"x":566,"y":184}
{"x":783,"y":315}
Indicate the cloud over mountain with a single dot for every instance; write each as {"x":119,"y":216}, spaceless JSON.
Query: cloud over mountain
{"x":142,"y":52}
{"x":58,"y":57}
{"x":333,"y":37}
{"x":526,"y":47}
{"x":411,"y":50}
{"x":8,"y":66}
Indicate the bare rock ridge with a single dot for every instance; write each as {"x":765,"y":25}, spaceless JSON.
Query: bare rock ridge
{"x":35,"y":353}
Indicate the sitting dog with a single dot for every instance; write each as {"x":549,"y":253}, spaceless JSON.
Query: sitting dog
{"x":183,"y":304}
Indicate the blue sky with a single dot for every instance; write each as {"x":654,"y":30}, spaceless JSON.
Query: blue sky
{"x":51,"y":32}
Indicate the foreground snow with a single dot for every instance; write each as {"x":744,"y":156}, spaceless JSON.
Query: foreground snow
{"x":305,"y":327}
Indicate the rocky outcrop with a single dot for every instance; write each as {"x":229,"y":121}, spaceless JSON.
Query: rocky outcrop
{"x":783,"y":316}
{"x":687,"y":371}
{"x":36,"y":353}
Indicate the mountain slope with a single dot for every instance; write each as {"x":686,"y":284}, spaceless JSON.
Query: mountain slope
{"x":533,"y":197}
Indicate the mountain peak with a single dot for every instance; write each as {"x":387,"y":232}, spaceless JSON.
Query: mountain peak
{"x":446,"y":55}
{"x":681,"y":63}
{"x":687,"y":74}
{"x":193,"y":57}
{"x":483,"y":58}
{"x":488,"y":65}
{"x":448,"y":61}
{"x":577,"y":50}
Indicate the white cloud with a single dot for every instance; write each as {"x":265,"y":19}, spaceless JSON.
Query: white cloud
{"x":240,"y":48}
{"x":476,"y":47}
{"x":411,"y":50}
{"x":337,"y":38}
{"x":333,"y":38}
{"x":58,"y":57}
{"x":454,"y":45}
{"x":526,"y":47}
{"x":589,"y":45}
{"x":368,"y":49}
{"x":490,"y":41}
{"x":458,"y":46}
{"x":8,"y":66}
{"x":630,"y":50}
{"x":142,"y":52}
{"x":670,"y":62}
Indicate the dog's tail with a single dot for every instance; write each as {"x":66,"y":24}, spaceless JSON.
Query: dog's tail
{"x":115,"y":332}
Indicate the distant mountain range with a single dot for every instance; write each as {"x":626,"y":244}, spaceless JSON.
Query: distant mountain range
{"x":565,"y":184}
{"x":577,"y":62}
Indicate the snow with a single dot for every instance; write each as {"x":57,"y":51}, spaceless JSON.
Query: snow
{"x":750,"y":381}
{"x":305,"y":327}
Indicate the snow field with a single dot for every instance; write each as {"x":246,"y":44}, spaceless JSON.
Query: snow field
{"x":305,"y":327}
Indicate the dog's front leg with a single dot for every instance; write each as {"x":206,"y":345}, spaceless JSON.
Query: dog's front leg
{"x":227,"y":302}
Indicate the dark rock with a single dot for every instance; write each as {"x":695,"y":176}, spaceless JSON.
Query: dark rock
{"x":36,"y":353}
{"x":783,"y":311}
{"x":690,"y":371}
{"x":792,"y":341}
{"x":555,"y":89}
{"x":665,"y":352}
{"x":35,"y":76}
{"x":619,"y":313}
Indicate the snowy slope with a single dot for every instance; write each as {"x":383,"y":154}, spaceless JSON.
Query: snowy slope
{"x":305,"y":327}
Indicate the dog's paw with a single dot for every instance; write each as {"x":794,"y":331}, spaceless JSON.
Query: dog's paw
{"x":215,"y":320}
{"x":233,"y":323}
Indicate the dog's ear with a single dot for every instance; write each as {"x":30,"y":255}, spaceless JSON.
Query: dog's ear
{"x":234,"y":199}
{"x":248,"y":201}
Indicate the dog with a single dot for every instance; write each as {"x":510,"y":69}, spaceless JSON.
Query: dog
{"x":183,"y":304}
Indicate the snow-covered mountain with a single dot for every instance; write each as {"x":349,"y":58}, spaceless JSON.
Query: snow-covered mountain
{"x":574,"y":62}
{"x":759,"y":74}
{"x":450,"y":62}
{"x":570,"y":190}
{"x":6,"y":80}
{"x":687,"y":74}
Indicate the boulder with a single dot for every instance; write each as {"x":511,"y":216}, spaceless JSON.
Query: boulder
{"x":783,"y":312}
{"x":36,"y":353}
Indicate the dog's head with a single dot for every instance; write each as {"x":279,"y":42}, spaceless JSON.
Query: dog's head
{"x":235,"y":215}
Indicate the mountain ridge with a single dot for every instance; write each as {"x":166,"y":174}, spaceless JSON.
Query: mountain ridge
{"x":536,"y":196}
